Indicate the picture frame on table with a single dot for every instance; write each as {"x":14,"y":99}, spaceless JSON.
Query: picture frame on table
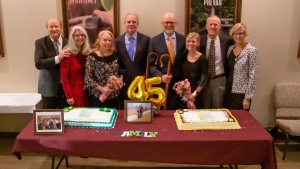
{"x":48,"y":121}
{"x":94,"y":16}
{"x":197,"y":12}
{"x":138,"y":111}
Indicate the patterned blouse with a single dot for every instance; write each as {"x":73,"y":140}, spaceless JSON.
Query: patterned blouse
{"x":245,"y":71}
{"x":98,"y":70}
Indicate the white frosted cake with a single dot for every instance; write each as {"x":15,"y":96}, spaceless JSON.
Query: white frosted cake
{"x":205,"y":119}
{"x":90,"y":117}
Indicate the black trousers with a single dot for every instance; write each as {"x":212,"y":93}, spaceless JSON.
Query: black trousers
{"x":56,"y":102}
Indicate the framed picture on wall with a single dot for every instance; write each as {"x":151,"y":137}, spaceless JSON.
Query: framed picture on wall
{"x":94,"y":16}
{"x":48,"y":121}
{"x":197,"y":11}
{"x":138,"y":111}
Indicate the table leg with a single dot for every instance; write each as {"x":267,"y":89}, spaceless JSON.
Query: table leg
{"x":58,"y":164}
{"x":52,"y":161}
{"x":61,"y":159}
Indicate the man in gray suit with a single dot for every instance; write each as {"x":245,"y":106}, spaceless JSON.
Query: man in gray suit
{"x":159,"y":45}
{"x":47,"y":56}
{"x":215,"y":87}
{"x":135,"y":65}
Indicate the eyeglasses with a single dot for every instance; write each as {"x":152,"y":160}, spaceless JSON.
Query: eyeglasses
{"x":167,"y":23}
{"x":79,"y":35}
{"x":240,"y":34}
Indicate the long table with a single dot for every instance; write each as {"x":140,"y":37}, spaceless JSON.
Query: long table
{"x":250,"y":145}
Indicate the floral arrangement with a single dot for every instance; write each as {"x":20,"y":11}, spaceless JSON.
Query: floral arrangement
{"x":183,"y":88}
{"x":113,"y":83}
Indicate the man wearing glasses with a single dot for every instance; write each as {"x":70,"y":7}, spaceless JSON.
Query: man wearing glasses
{"x":168,"y":42}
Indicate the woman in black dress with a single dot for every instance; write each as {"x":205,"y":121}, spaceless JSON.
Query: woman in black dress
{"x":192,"y":65}
{"x":241,"y":70}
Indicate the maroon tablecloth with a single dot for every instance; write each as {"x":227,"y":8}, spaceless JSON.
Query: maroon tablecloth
{"x":251,"y":145}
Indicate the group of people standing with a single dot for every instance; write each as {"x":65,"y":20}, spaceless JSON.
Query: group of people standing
{"x":222,"y":71}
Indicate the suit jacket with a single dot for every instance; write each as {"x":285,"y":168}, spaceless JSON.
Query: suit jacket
{"x":49,"y":77}
{"x":130,"y":69}
{"x":159,"y":46}
{"x":225,"y":42}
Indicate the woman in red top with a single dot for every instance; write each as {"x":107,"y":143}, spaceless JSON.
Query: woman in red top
{"x":72,"y":68}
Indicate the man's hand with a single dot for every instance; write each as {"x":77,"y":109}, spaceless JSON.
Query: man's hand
{"x":64,"y":53}
{"x":166,"y":78}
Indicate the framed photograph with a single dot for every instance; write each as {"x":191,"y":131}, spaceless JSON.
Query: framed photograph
{"x":48,"y":121}
{"x":94,"y":16}
{"x":197,"y":11}
{"x":138,"y":111}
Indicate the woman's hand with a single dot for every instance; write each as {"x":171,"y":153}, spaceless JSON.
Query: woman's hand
{"x":105,"y":90}
{"x":246,"y":104}
{"x":70,"y":101}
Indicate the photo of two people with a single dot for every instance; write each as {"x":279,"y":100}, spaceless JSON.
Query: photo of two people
{"x":138,"y":111}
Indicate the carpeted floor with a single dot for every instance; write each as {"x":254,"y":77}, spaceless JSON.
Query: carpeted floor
{"x":42,"y":161}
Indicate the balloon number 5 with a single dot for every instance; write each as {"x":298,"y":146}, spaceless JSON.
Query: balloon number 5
{"x":141,"y":89}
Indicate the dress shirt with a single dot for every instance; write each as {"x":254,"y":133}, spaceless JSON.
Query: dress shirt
{"x":219,"y":68}
{"x":134,"y":42}
{"x":59,"y":44}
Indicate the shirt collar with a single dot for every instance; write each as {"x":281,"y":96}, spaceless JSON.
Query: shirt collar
{"x":167,"y":36}
{"x":59,"y":40}
{"x":133,"y":35}
{"x":216,"y":38}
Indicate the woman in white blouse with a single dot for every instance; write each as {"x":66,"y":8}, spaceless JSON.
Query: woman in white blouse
{"x":241,"y":70}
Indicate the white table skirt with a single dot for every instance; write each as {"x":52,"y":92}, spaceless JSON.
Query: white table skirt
{"x":19,"y":102}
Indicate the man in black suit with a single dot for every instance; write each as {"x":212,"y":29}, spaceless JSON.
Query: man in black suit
{"x":159,"y":45}
{"x":130,"y":67}
{"x":47,"y":56}
{"x":215,"y":87}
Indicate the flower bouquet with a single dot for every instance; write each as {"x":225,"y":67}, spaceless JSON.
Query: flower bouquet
{"x":113,"y":83}
{"x":183,"y":88}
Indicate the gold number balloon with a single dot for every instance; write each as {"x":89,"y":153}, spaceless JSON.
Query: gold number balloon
{"x":137,"y":90}
{"x":155,"y":91}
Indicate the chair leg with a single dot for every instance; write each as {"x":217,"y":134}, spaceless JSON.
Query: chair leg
{"x":285,"y":146}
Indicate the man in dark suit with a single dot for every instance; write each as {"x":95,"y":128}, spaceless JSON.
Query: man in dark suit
{"x":159,"y":45}
{"x":215,"y":87}
{"x":47,"y":56}
{"x":135,"y":65}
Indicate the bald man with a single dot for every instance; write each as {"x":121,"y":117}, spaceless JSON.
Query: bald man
{"x":47,"y":56}
{"x":159,"y":45}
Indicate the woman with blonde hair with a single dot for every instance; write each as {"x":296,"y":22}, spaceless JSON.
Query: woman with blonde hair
{"x":241,"y":70}
{"x":72,"y":68}
{"x":101,"y":64}
{"x":192,"y":65}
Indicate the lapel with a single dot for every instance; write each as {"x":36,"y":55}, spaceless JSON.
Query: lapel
{"x":123,"y":47}
{"x":222,"y":46}
{"x":50,"y":45}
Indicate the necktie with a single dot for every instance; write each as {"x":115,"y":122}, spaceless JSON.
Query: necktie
{"x":171,"y":48}
{"x":55,"y":43}
{"x":131,"y":48}
{"x":211,"y":60}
